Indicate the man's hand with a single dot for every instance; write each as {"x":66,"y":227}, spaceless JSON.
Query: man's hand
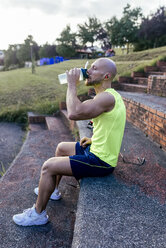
{"x":85,"y":141}
{"x":73,"y":76}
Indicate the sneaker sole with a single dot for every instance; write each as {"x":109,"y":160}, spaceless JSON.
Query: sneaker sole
{"x":32,"y":224}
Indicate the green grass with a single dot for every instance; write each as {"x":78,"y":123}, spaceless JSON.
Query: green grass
{"x":3,"y":171}
{"x":143,"y":55}
{"x":21,"y":91}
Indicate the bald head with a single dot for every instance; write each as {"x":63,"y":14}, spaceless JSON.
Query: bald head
{"x":107,"y":66}
{"x":102,"y":71}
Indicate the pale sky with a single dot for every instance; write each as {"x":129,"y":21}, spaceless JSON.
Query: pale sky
{"x":45,"y":19}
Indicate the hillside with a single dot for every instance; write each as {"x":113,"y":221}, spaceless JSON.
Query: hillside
{"x":21,"y":91}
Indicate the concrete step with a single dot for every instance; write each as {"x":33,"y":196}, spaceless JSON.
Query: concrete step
{"x":138,"y":74}
{"x":72,"y":125}
{"x":137,"y":197}
{"x":162,"y":68}
{"x":136,"y":194}
{"x":155,"y":73}
{"x":51,"y":123}
{"x":16,"y":194}
{"x":128,"y":80}
{"x":64,"y":116}
{"x":140,"y":80}
{"x":133,"y":88}
{"x":37,"y":127}
{"x":35,"y":118}
{"x":161,"y":63}
{"x":150,"y":68}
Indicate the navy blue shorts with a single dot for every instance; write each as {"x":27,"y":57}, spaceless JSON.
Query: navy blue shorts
{"x":86,"y":164}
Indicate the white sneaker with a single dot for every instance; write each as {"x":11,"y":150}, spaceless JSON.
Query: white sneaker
{"x":56,"y":195}
{"x":30,"y":217}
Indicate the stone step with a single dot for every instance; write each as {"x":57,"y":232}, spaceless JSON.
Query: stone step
{"x":155,"y":73}
{"x":123,"y":79}
{"x":138,"y":74}
{"x":51,"y":123}
{"x":37,"y":127}
{"x":17,"y":194}
{"x":130,"y":191}
{"x":63,"y":114}
{"x":140,"y":80}
{"x":162,"y":68}
{"x":150,"y":68}
{"x":161,"y":63}
{"x":35,"y":118}
{"x":133,"y":88}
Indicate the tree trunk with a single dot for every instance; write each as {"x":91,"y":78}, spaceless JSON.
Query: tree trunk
{"x":127,"y":48}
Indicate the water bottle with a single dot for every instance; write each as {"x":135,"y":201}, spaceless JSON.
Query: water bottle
{"x":63,"y":77}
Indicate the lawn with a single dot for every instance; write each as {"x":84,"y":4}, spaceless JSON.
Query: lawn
{"x":21,"y":91}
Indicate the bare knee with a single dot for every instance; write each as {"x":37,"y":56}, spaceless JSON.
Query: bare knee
{"x":46,"y":168}
{"x":60,"y":150}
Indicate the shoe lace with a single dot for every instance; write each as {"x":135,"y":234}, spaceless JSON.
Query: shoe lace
{"x":28,"y":212}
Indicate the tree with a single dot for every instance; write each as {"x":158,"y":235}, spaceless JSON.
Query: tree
{"x":89,"y":31}
{"x":130,"y":25}
{"x":152,"y":31}
{"x":28,"y":50}
{"x":102,"y":36}
{"x":124,"y":31}
{"x":47,"y":51}
{"x":66,"y":43}
{"x":113,"y":30}
{"x":11,"y":56}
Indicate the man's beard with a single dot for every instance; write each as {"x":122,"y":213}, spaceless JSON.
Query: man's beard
{"x":92,"y":83}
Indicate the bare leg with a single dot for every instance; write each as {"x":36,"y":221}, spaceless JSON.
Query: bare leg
{"x":54,"y":168}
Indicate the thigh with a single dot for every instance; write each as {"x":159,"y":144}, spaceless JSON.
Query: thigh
{"x":89,"y":166}
{"x":58,"y":166}
{"x":66,"y":149}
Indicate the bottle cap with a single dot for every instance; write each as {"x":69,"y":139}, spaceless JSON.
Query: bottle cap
{"x":84,"y":72}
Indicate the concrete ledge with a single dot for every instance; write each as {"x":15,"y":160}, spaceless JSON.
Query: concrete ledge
{"x":126,"y":208}
{"x":34,"y":118}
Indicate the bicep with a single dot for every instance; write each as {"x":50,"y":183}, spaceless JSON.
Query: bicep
{"x":93,"y":107}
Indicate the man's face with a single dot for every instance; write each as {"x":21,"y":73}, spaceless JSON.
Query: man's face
{"x":95,"y":74}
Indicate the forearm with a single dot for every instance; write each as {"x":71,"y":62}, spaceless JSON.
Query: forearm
{"x":72,"y":101}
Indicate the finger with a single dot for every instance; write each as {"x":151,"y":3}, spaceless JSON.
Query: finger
{"x":83,"y":143}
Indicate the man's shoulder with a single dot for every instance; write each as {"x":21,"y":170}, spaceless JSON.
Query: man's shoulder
{"x":105,"y":95}
{"x":105,"y":99}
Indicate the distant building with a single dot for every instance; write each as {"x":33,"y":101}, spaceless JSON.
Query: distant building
{"x":84,"y":53}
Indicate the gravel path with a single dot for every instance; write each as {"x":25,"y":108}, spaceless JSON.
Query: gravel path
{"x":11,"y":139}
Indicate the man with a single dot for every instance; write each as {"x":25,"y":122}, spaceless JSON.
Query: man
{"x":91,"y":157}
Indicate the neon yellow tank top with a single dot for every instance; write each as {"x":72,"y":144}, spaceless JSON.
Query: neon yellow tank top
{"x":108,"y":131}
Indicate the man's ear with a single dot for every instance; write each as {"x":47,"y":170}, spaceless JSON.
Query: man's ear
{"x":107,"y":76}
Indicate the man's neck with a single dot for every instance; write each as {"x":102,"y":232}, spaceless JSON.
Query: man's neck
{"x":99,"y":88}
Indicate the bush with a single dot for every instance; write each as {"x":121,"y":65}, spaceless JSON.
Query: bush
{"x":15,"y":115}
{"x":162,"y":58}
{"x":46,"y":107}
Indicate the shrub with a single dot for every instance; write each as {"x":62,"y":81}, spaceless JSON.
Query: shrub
{"x":15,"y":115}
{"x":162,"y":58}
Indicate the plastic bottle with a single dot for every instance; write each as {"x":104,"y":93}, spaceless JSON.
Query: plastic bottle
{"x":63,"y":77}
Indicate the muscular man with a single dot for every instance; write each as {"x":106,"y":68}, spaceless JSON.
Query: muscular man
{"x":93,"y":157}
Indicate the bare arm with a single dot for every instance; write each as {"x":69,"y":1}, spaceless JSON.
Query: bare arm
{"x":78,"y":110}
